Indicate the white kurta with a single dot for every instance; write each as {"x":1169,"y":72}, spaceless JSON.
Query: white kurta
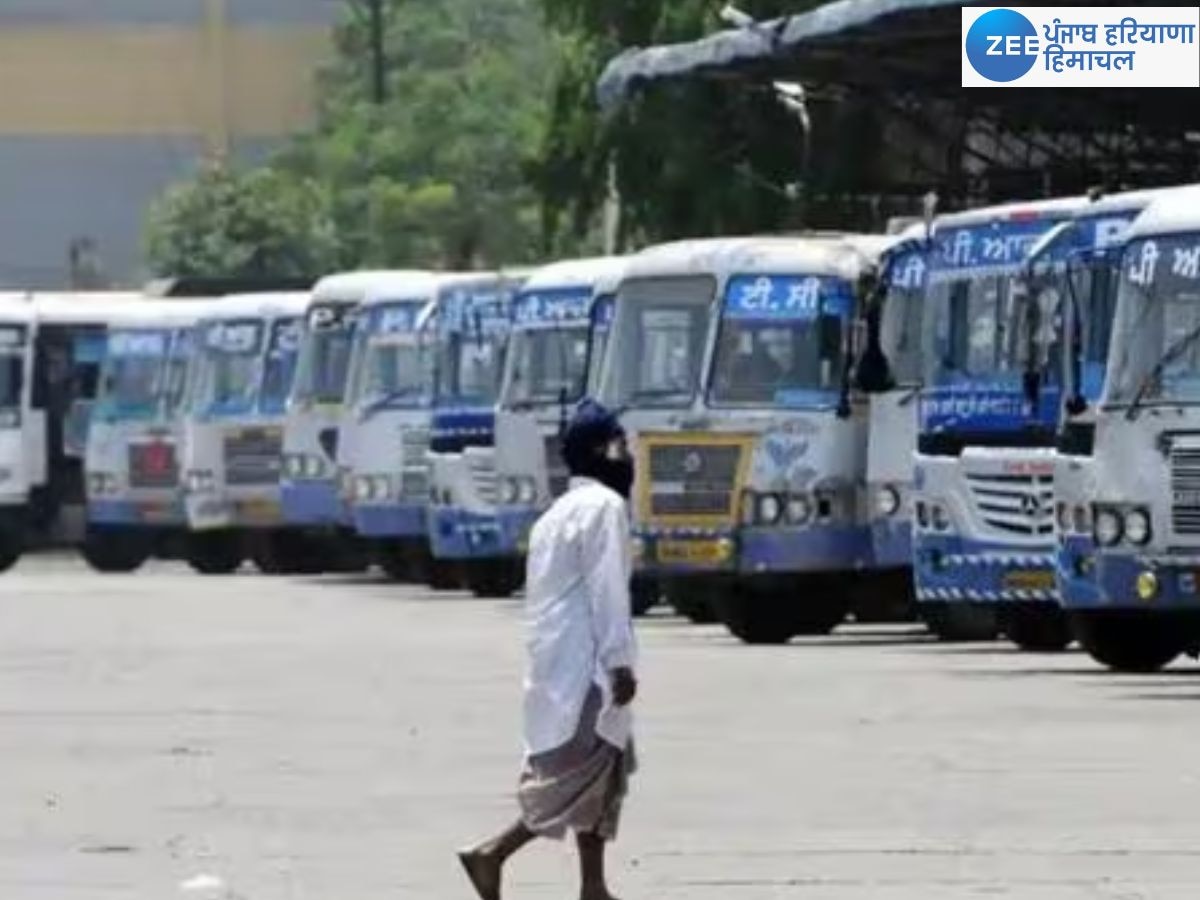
{"x":579,"y":616}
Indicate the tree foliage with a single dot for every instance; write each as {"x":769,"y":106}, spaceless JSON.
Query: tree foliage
{"x":698,"y":157}
{"x":436,"y":175}
{"x":241,"y":224}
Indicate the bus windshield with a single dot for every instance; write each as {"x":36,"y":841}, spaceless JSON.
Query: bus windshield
{"x":547,"y":365}
{"x":228,"y":367}
{"x":174,"y":381}
{"x":279,"y":369}
{"x":392,"y":363}
{"x":325,"y":356}
{"x":133,"y":370}
{"x":470,"y":368}
{"x":971,"y":328}
{"x":781,"y":341}
{"x":656,"y":353}
{"x":900,"y":324}
{"x":1156,"y":342}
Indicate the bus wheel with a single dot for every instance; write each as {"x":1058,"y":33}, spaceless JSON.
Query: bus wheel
{"x":755,"y":617}
{"x":815,"y":616}
{"x":114,"y":551}
{"x":1037,"y":627}
{"x":12,"y":546}
{"x":644,"y":595}
{"x":960,"y":622}
{"x":445,"y":575}
{"x":1130,"y":640}
{"x":214,"y":552}
{"x":498,"y":579}
{"x":693,"y":604}
{"x":883,"y":597}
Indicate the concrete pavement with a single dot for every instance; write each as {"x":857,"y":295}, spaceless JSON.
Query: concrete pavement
{"x":336,"y":739}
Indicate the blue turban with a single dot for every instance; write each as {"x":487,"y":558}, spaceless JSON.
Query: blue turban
{"x":590,"y":430}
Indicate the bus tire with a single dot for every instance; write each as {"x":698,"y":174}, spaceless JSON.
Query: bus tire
{"x":693,"y":604}
{"x":494,"y":580}
{"x":445,"y":575}
{"x":755,"y":617}
{"x":960,"y":622}
{"x":214,"y":552}
{"x":1037,"y":627}
{"x":12,"y":547}
{"x":643,"y":594}
{"x":1131,"y":641}
{"x":816,"y":616}
{"x":114,"y":551}
{"x":883,"y":597}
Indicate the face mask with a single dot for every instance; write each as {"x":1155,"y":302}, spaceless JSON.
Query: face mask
{"x":616,"y":474}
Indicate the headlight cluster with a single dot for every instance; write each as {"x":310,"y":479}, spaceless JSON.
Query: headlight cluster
{"x":304,"y":465}
{"x":440,"y":496}
{"x":101,"y":484}
{"x":887,"y":500}
{"x":776,"y":509}
{"x":932,"y":515}
{"x":1111,"y":525}
{"x":368,"y":488}
{"x":1073,"y":518}
{"x":200,"y":481}
{"x":519,"y":489}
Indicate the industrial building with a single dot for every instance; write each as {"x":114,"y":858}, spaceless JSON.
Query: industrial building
{"x":106,"y":102}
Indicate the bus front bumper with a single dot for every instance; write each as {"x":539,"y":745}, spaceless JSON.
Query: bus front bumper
{"x":953,"y":569}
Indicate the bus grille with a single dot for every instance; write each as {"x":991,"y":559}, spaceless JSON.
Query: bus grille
{"x":1185,"y":490}
{"x":483,"y":475}
{"x":1015,"y":504}
{"x":414,"y":458}
{"x":153,"y":465}
{"x":252,"y":457}
{"x":693,"y":480}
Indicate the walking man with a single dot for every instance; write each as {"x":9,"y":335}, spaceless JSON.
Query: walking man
{"x":580,"y":681}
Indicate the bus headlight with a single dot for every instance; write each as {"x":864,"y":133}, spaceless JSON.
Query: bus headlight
{"x":1063,"y":516}
{"x":887,"y":501}
{"x":1082,"y":521}
{"x":1137,"y":527}
{"x":1107,"y":527}
{"x":313,"y":466}
{"x":769,"y":509}
{"x":362,"y":489}
{"x":200,"y":481}
{"x":799,"y":510}
{"x":1146,"y":585}
{"x":101,"y":484}
{"x":922,"y":514}
{"x":939,"y":516}
{"x":509,"y":491}
{"x":526,"y":491}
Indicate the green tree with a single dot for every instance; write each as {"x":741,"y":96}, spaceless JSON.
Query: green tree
{"x":438,"y":174}
{"x":696,"y":157}
{"x":232,"y":223}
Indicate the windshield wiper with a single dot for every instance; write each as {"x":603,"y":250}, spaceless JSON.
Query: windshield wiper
{"x":391,"y":397}
{"x":1172,"y":353}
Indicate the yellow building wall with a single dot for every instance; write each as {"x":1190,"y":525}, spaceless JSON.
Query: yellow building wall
{"x":212,"y":81}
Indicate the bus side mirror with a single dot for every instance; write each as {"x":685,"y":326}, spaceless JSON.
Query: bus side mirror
{"x":830,"y":336}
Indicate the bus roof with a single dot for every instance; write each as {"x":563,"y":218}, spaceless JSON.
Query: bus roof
{"x":84,"y":307}
{"x":157,"y":313}
{"x":825,"y":254}
{"x":256,"y":306}
{"x":576,"y":273}
{"x":1059,"y":207}
{"x":1175,"y":211}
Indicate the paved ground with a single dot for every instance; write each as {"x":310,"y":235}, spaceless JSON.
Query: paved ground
{"x":335,"y":740}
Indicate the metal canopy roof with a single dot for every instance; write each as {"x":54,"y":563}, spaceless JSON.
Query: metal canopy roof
{"x":903,"y":57}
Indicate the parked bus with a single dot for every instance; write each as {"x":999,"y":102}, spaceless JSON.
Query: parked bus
{"x":546,"y":375}
{"x":730,"y":358}
{"x":386,"y":422}
{"x":51,"y":351}
{"x":984,"y":546}
{"x":135,"y":500}
{"x":241,"y":374}
{"x":474,"y":321}
{"x":1145,"y":510}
